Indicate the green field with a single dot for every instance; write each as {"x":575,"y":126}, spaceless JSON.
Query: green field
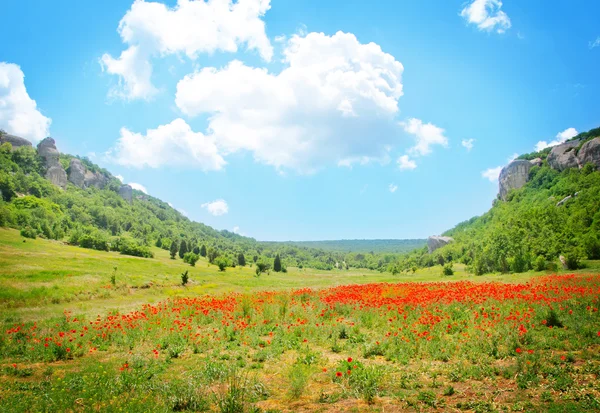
{"x":41,"y":278}
{"x":304,"y":340}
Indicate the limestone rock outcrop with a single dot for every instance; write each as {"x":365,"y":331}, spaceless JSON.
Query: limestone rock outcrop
{"x":564,"y":156}
{"x":77,"y":173}
{"x":15,"y":141}
{"x":55,"y":173}
{"x":435,"y":242}
{"x":126,"y":192}
{"x":80,"y":176}
{"x":590,"y":152}
{"x":514,"y":176}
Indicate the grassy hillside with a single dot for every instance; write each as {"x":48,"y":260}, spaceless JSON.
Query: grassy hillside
{"x":100,"y":219}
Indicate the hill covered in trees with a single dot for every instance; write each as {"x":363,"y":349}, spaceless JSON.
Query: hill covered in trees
{"x":364,"y":245}
{"x":556,"y":213}
{"x":95,"y":214}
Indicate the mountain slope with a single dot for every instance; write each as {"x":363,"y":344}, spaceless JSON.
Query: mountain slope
{"x":94,"y":214}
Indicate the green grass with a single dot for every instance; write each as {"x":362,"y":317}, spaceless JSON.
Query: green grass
{"x":42,"y":278}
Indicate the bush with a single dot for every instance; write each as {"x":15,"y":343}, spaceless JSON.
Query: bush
{"x":540,"y":263}
{"x":184,"y":278}
{"x":573,"y":260}
{"x":447,"y":269}
{"x":28,"y":232}
{"x":221,"y":263}
{"x":190,"y":258}
{"x":129,"y":247}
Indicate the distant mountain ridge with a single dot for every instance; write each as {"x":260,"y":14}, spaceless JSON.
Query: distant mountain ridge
{"x":364,"y":245}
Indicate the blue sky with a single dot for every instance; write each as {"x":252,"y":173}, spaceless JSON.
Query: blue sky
{"x":296,"y":120}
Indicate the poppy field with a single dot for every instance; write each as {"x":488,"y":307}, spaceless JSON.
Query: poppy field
{"x":437,"y":346}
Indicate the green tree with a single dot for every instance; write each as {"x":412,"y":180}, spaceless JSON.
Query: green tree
{"x":159,"y":242}
{"x":191,"y":258}
{"x":212,"y":255}
{"x":182,"y":249}
{"x":203,"y":250}
{"x":173,"y":250}
{"x":196,"y":250}
{"x":241,"y":259}
{"x":277,"y":263}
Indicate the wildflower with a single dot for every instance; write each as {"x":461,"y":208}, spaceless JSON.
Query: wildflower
{"x":349,"y":359}
{"x":349,"y":372}
{"x":518,"y":350}
{"x":324,"y":370}
{"x":14,"y":365}
{"x":338,"y":374}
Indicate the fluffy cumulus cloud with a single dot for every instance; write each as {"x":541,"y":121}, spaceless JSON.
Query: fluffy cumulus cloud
{"x":560,"y":138}
{"x":172,"y":144}
{"x":468,"y":144}
{"x":190,"y":28}
{"x":393,"y":188}
{"x":217,"y":208}
{"x":333,"y":103}
{"x":426,"y":135}
{"x":486,"y":15}
{"x":405,"y":163}
{"x":19,"y":114}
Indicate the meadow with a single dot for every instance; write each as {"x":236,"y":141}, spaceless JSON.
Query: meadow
{"x":74,"y":338}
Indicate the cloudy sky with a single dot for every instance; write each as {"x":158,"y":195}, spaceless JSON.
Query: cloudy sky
{"x":304,"y":120}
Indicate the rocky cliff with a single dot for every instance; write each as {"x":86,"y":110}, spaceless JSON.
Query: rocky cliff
{"x":77,"y":173}
{"x":571,"y":154}
{"x":435,"y":242}
{"x":55,"y":173}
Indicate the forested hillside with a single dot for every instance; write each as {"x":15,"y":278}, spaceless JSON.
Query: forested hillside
{"x":555,"y":213}
{"x":101,"y":219}
{"x":364,"y":245}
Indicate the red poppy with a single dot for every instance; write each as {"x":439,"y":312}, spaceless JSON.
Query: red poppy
{"x":518,"y":350}
{"x":338,"y":374}
{"x":349,"y":359}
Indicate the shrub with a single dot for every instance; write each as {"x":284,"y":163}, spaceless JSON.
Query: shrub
{"x":447,"y":269}
{"x":129,"y":247}
{"x":540,"y":263}
{"x":184,"y":278}
{"x":221,"y":263}
{"x":28,"y":232}
{"x":191,"y":258}
{"x":573,"y":260}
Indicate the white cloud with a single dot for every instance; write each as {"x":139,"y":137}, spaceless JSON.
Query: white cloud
{"x":468,"y":143}
{"x":427,"y":135}
{"x":333,"y":103}
{"x":405,"y":163}
{"x":595,"y":43}
{"x":560,"y":138}
{"x":393,"y":188}
{"x":19,"y":114}
{"x":119,"y":177}
{"x":486,"y":15}
{"x":216,"y":208}
{"x":171,"y":144}
{"x":139,"y":187}
{"x":492,"y":173}
{"x":236,"y":230}
{"x":512,"y":157}
{"x":191,"y":28}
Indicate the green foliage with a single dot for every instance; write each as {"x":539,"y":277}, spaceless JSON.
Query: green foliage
{"x":185,"y":278}
{"x":447,"y":269}
{"x":203,"y":250}
{"x":173,"y":250}
{"x":277,"y":264}
{"x":241,"y":259}
{"x":190,"y":258}
{"x":222,"y":263}
{"x":28,"y":232}
{"x":182,"y":249}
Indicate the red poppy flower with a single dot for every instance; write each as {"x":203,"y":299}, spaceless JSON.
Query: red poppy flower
{"x":518,"y":350}
{"x":349,"y":359}
{"x":338,"y":374}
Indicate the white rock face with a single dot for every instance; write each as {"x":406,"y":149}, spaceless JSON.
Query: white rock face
{"x":435,"y":242}
{"x":55,"y":173}
{"x":514,"y":176}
